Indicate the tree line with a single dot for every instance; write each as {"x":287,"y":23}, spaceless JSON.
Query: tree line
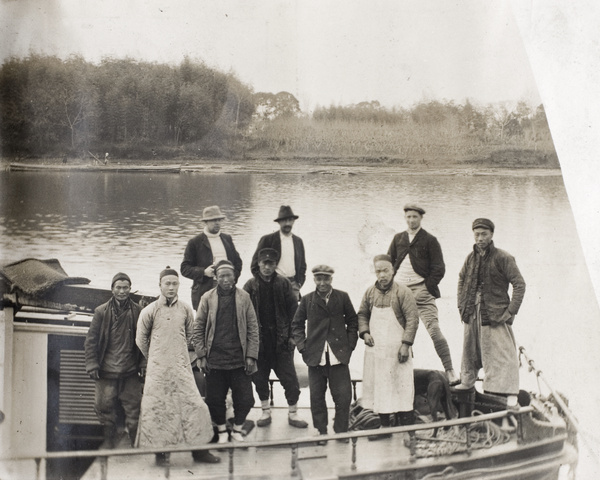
{"x":132,"y":108}
{"x":140,"y":110}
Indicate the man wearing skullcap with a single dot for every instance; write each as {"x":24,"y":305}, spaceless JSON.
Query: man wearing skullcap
{"x":275,"y":304}
{"x":226,"y":341}
{"x":205,"y":250}
{"x":419,"y":264}
{"x":173,"y":412}
{"x":488,"y":312}
{"x":114,"y":361}
{"x":388,"y":319}
{"x":325,"y":330}
{"x":292,"y":263}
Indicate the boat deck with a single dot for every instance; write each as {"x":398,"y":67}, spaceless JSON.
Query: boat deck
{"x":331,"y":461}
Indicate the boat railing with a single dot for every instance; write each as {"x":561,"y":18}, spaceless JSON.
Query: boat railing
{"x":293,"y":444}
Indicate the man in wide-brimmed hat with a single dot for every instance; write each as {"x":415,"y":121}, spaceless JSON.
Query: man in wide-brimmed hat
{"x":204,"y":251}
{"x":292,"y":262}
{"x":419,"y":264}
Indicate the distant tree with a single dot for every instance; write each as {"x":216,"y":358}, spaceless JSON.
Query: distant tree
{"x":269,"y":106}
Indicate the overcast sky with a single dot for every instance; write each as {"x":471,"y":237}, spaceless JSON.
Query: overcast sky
{"x":323,"y":52}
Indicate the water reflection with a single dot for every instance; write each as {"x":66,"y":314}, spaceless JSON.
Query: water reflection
{"x":97,"y":224}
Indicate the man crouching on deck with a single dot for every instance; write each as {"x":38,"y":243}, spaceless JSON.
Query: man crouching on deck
{"x":325,"y":330}
{"x":388,"y":319}
{"x":226,"y":342}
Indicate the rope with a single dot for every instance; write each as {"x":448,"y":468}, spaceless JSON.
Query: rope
{"x":454,"y":440}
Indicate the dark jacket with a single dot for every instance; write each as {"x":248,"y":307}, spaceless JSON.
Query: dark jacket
{"x":198,"y":256}
{"x":315,"y":322}
{"x":285,"y":308}
{"x":96,"y":340}
{"x":425,"y":255}
{"x":273,"y":240}
{"x":498,"y":269}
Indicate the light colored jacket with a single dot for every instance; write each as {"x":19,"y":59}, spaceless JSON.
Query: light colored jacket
{"x":206,"y":317}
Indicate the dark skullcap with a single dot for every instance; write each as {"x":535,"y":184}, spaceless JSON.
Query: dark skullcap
{"x":168,"y":271}
{"x":384,"y":257}
{"x":483,"y":223}
{"x":120,"y":276}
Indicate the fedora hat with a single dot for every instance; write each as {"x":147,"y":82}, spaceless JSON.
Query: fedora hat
{"x":211,"y":213}
{"x":285,"y":211}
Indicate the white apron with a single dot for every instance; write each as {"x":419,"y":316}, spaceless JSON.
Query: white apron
{"x":388,"y":385}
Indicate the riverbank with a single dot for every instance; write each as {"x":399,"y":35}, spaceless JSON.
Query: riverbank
{"x":508,"y":162}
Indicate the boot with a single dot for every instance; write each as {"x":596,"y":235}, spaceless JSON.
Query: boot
{"x":204,"y":456}
{"x":265,"y":418}
{"x":293,"y":419}
{"x":109,"y":432}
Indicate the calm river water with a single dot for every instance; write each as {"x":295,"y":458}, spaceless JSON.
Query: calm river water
{"x":98,"y":224}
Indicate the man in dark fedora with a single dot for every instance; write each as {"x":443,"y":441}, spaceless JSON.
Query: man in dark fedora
{"x":292,"y":262}
{"x":114,"y":361}
{"x":275,"y":304}
{"x":325,"y":329}
{"x":488,"y":312}
{"x":204,"y":251}
{"x":419,"y":264}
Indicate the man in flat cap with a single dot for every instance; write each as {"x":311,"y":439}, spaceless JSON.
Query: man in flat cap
{"x":205,"y":250}
{"x":419,"y":264}
{"x":292,"y":263}
{"x":487,"y":313}
{"x":275,"y":304}
{"x":173,"y":412}
{"x":387,"y":321}
{"x":325,"y":330}
{"x":226,"y":340}
{"x":114,"y":361}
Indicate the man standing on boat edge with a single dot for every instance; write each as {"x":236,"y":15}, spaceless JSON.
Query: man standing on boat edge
{"x":275,"y":304}
{"x":325,"y":329}
{"x":292,"y":262}
{"x":419,"y":264}
{"x":488,"y":313}
{"x":113,"y":360}
{"x":204,"y":251}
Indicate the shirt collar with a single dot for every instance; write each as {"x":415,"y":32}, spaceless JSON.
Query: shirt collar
{"x":163,"y":300}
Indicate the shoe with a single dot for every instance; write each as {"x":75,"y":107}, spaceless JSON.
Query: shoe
{"x":296,"y":421}
{"x":462,"y":386}
{"x":204,"y":456}
{"x":453,"y":379}
{"x":374,"y":438}
{"x":223,"y":437}
{"x":342,"y":440}
{"x":237,"y":437}
{"x":161,"y":459}
{"x":265,"y":419}
{"x":322,"y":442}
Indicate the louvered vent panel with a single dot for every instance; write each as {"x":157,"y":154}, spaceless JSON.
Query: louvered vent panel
{"x":76,"y":397}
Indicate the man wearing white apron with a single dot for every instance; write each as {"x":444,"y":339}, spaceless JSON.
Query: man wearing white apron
{"x":387,"y":322}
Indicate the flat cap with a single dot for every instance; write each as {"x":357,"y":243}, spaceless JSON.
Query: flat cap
{"x":322,"y":270}
{"x":483,"y":223}
{"x":224,"y":264}
{"x":415,"y":207}
{"x":268,"y":255}
{"x":120,"y":276}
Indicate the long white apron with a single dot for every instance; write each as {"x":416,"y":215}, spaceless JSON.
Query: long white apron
{"x":388,"y":385}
